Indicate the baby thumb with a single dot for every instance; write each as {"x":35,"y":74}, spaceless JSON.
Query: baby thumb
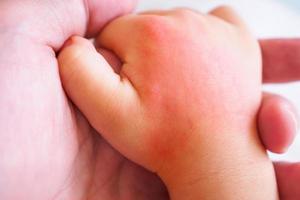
{"x":90,"y":82}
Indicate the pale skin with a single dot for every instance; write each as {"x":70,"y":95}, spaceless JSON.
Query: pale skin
{"x":46,"y":158}
{"x":47,"y":148}
{"x":183,"y":104}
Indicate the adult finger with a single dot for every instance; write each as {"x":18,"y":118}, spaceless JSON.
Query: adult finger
{"x":100,"y":12}
{"x":288,"y":179}
{"x":277,"y":123}
{"x":281,"y":61}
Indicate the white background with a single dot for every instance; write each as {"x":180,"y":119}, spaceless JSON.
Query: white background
{"x":266,"y":18}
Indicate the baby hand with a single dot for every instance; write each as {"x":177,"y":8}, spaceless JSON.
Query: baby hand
{"x":184,"y":102}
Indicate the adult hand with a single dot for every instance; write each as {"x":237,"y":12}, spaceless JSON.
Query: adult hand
{"x":281,"y":64}
{"x":47,"y":148}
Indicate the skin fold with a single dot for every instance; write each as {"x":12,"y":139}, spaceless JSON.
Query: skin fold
{"x":48,"y":150}
{"x":172,"y":108}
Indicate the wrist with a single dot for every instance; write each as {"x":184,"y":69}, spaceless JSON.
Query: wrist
{"x":227,"y":168}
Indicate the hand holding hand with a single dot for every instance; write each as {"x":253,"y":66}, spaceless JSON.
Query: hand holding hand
{"x":171,"y":106}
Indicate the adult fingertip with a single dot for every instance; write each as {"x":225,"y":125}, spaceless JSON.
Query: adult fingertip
{"x":278,"y":123}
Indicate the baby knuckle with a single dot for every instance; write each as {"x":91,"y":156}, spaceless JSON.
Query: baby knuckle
{"x":185,"y":12}
{"x":188,"y":14}
{"x":225,"y":8}
{"x":155,"y":28}
{"x":191,"y":19}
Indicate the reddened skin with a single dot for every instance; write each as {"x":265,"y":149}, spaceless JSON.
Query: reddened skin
{"x":188,"y":91}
